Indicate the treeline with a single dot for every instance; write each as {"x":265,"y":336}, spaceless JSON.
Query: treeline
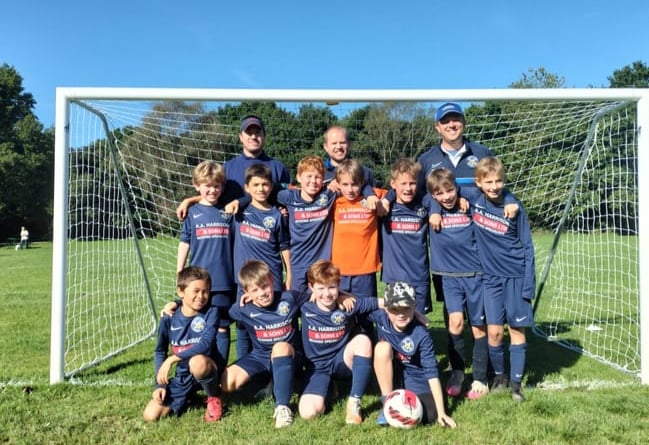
{"x":26,"y":162}
{"x":161,"y":148}
{"x":541,"y":143}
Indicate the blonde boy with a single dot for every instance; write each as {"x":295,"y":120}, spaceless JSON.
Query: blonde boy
{"x":207,"y":238}
{"x":506,"y":251}
{"x":271,"y":320}
{"x":355,"y":243}
{"x":405,"y":235}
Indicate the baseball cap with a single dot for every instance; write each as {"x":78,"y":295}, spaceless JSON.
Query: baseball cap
{"x":249,"y":121}
{"x":399,"y":294}
{"x":447,"y":108}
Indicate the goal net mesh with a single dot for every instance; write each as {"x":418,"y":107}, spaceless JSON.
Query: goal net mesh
{"x":571,"y":163}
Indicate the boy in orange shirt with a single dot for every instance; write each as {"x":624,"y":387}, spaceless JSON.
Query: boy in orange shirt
{"x":355,"y":241}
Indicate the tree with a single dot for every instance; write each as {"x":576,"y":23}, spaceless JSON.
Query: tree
{"x":26,"y":161}
{"x":539,"y":78}
{"x":635,"y":75}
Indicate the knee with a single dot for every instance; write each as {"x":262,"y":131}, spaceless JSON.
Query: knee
{"x":456,"y":323}
{"x":282,"y":349}
{"x":152,"y":412}
{"x":478,"y":332}
{"x":309,"y":407}
{"x":382,"y":351}
{"x":362,"y":345}
{"x":200,"y":366}
{"x":496,"y":335}
{"x":228,"y":383}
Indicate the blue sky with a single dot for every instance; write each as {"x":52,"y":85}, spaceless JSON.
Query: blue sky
{"x":315,"y":44}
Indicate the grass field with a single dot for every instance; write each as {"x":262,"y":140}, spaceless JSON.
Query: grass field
{"x":572,"y":399}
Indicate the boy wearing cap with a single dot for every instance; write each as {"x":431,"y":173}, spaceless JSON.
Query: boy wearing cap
{"x":405,"y":354}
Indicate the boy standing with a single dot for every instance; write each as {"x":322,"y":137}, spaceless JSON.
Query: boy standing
{"x":405,"y":350}
{"x":355,"y":242}
{"x":262,"y":233}
{"x":404,"y":234}
{"x":190,"y":333}
{"x":207,"y":238}
{"x":272,"y":323}
{"x":331,"y":349}
{"x":454,"y":257}
{"x":309,"y":211}
{"x":310,"y":218}
{"x":507,"y":255}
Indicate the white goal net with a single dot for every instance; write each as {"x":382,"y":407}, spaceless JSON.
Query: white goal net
{"x":124,"y":162}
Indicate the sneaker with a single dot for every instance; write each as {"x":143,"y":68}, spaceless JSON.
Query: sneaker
{"x":283,"y":416}
{"x":499,"y":384}
{"x":454,"y":384}
{"x":478,"y":389}
{"x":214,"y":409}
{"x":353,"y":416}
{"x":517,"y":395}
{"x":380,"y":420}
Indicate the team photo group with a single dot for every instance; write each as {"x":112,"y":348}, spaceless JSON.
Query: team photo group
{"x":293,"y":272}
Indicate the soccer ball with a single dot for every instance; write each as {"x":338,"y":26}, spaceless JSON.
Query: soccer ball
{"x":402,"y":409}
{"x":17,"y":246}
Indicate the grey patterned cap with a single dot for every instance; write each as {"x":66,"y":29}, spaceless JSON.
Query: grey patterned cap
{"x":399,"y":294}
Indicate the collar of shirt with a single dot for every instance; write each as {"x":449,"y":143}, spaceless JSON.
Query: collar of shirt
{"x":454,"y":155}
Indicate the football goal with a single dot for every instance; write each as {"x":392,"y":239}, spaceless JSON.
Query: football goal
{"x":577,"y":159}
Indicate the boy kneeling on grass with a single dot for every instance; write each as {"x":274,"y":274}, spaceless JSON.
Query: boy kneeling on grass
{"x":191,"y":333}
{"x":332,"y":347}
{"x":405,"y":354}
{"x":271,"y":320}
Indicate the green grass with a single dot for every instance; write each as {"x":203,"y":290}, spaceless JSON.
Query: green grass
{"x":572,"y":399}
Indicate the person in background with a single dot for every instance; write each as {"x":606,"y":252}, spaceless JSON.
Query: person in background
{"x":24,"y":238}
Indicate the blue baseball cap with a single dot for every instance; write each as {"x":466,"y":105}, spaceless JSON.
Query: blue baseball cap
{"x":251,"y":120}
{"x":448,"y":108}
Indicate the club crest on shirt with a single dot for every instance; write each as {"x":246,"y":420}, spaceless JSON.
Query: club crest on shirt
{"x":269,"y":222}
{"x":198,"y":324}
{"x":421,"y":212}
{"x":472,"y":161}
{"x":283,"y":308}
{"x":407,"y":344}
{"x":322,"y":200}
{"x":338,"y":317}
{"x":225,"y":215}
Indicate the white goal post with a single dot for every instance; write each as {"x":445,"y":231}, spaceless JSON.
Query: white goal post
{"x":577,"y":158}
